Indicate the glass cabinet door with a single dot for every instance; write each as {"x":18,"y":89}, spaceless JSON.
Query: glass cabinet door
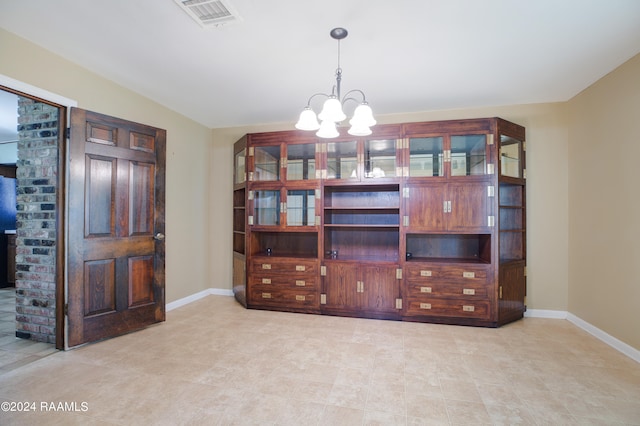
{"x":266,"y":163}
{"x":426,"y":157}
{"x":266,"y":208}
{"x":342,"y":160}
{"x":510,"y":157}
{"x":301,"y":161}
{"x":468,"y":155}
{"x":239,"y":171}
{"x":301,"y":207}
{"x":380,"y":158}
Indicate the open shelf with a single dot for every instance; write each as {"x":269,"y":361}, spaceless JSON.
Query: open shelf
{"x":357,"y":243}
{"x":467,"y":248}
{"x":285,"y":244}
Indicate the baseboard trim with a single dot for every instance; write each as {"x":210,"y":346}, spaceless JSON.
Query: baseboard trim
{"x":545,"y":313}
{"x":197,"y":296}
{"x":617,"y":344}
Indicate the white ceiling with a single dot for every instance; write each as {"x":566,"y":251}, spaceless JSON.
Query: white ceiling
{"x":406,"y":55}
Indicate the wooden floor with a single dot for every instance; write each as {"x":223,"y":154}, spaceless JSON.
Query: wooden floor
{"x":215,"y":363}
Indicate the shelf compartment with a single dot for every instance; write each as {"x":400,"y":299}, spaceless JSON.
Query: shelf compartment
{"x":473,"y":248}
{"x":511,"y":195}
{"x":285,"y":244}
{"x":512,"y":245}
{"x":511,"y":218}
{"x":238,"y":242}
{"x":361,"y":197}
{"x":366,"y":216}
{"x":355,"y":243}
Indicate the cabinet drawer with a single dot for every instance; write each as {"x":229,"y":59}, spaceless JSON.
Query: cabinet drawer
{"x":451,"y":273}
{"x":284,"y":265}
{"x":431,"y":306}
{"x":265,"y":295}
{"x":467,"y":290}
{"x":292,"y":281}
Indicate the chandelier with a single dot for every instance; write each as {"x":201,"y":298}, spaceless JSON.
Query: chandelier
{"x":332,"y":113}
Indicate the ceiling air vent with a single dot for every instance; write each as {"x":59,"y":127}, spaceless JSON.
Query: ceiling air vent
{"x":209,"y":13}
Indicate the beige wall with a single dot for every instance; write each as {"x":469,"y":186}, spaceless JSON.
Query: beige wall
{"x":547,"y":193}
{"x":188,"y":145}
{"x":604,"y":204}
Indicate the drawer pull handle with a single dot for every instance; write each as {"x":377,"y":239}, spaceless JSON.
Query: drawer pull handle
{"x":266,"y":281}
{"x":425,"y":306}
{"x":425,"y":289}
{"x":468,"y":308}
{"x":266,"y":266}
{"x":300,"y":283}
{"x":300,"y":298}
{"x":469,"y":291}
{"x":266,"y":295}
{"x":300,"y":268}
{"x":425,"y":273}
{"x":468,"y":274}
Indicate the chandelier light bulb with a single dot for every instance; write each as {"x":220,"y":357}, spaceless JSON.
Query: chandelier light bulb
{"x":363,"y":116}
{"x":327,"y":130}
{"x":359,"y":130}
{"x":307,"y":120}
{"x":332,"y":110}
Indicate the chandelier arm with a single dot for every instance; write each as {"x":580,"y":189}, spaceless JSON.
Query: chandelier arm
{"x":314,"y":95}
{"x":346,"y":96}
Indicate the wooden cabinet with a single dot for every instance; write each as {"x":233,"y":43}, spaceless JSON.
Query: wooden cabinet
{"x":418,"y":221}
{"x":458,"y":206}
{"x":285,"y":283}
{"x":370,"y":289}
{"x":449,"y":290}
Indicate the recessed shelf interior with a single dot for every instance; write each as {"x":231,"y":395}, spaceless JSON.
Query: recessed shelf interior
{"x":285,"y":244}
{"x":449,"y":247}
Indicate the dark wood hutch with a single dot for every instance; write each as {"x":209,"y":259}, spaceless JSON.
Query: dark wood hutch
{"x":418,"y":222}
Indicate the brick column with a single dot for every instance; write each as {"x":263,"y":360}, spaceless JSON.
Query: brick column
{"x":36,"y":179}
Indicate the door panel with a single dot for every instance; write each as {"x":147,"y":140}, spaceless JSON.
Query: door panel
{"x":381,"y":288}
{"x":469,"y":207}
{"x":425,"y":210}
{"x":116,"y":206}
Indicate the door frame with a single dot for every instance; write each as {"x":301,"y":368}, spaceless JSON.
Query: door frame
{"x":64,"y":107}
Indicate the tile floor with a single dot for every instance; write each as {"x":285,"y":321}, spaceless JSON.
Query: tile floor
{"x":15,"y":352}
{"x":214,"y":363}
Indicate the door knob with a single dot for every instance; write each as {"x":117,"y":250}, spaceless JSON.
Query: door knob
{"x":159,"y":236}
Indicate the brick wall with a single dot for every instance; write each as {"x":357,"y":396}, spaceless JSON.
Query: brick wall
{"x":36,"y":179}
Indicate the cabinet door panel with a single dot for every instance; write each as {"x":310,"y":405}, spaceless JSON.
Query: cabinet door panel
{"x":425,"y":208}
{"x":341,"y":285}
{"x":380,"y":288}
{"x":469,"y":207}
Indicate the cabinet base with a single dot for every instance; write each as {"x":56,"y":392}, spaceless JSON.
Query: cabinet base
{"x":471,"y":322}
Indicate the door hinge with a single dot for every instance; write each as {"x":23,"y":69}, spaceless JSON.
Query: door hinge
{"x":323,"y":299}
{"x":398,"y":303}
{"x":398,"y":273}
{"x":67,"y":133}
{"x":323,"y":271}
{"x":66,"y":309}
{"x":500,"y":292}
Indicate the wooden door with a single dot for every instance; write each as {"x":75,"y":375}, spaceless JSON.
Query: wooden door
{"x":469,"y":207}
{"x":425,"y":207}
{"x":341,"y":286}
{"x":380,"y":288}
{"x":116,"y":213}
